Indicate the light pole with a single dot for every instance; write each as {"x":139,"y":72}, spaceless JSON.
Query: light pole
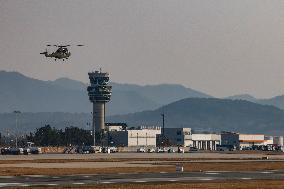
{"x":163,"y":125}
{"x":163,"y":129}
{"x":137,"y":140}
{"x":16,"y":133}
{"x":146,"y":140}
{"x":93,"y":127}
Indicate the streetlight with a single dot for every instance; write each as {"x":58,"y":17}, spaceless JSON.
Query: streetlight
{"x":137,"y":140}
{"x":16,"y":112}
{"x":146,"y":139}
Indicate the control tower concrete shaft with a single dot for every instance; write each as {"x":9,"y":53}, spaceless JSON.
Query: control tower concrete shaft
{"x":99,"y":93}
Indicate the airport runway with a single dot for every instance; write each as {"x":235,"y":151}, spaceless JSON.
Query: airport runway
{"x":43,"y":180}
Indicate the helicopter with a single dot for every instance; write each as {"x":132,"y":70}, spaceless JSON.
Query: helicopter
{"x":62,"y":52}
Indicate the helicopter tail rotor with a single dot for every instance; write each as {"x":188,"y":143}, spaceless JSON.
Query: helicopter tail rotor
{"x":45,"y":52}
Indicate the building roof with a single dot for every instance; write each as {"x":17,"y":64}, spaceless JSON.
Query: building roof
{"x":257,"y":141}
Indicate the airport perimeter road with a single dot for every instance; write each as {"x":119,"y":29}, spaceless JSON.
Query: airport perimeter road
{"x":193,"y":155}
{"x":42,"y":180}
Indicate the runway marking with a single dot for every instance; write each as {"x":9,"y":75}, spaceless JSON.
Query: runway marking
{"x":140,"y":181}
{"x":211,"y":173}
{"x":52,"y":184}
{"x":218,"y":171}
{"x":172,"y":180}
{"x":7,"y":184}
{"x":107,"y":182}
{"x":163,"y":172}
{"x":55,"y":177}
{"x":266,"y":172}
{"x":25,"y":185}
{"x":78,"y":183}
{"x":36,"y":176}
{"x":246,"y":178}
{"x":6,"y":177}
{"x":205,"y":179}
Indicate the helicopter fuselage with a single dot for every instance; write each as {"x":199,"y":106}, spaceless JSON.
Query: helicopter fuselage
{"x":62,"y":52}
{"x":57,"y":55}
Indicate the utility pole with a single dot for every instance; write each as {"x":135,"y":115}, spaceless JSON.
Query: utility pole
{"x":93,"y":128}
{"x":16,"y":112}
{"x":163,"y":130}
{"x":146,"y":140}
{"x":163,"y":126}
{"x":137,"y":140}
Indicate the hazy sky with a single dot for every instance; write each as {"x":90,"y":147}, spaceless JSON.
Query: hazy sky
{"x":221,"y":47}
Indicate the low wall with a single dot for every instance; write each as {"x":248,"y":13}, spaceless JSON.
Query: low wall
{"x":54,"y":150}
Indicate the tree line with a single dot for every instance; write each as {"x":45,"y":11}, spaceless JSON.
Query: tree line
{"x":50,"y":136}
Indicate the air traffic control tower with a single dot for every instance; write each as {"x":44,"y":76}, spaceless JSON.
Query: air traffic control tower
{"x":99,"y":93}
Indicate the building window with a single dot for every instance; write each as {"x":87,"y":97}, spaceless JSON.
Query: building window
{"x":178,"y":132}
{"x":178,"y":140}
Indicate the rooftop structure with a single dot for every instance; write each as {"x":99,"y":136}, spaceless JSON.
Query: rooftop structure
{"x":135,"y":138}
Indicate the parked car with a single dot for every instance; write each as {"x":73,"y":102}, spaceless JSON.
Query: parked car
{"x":97,"y":149}
{"x":5,"y":151}
{"x":16,"y":151}
{"x":113,"y":149}
{"x":27,"y":151}
{"x":87,"y":150}
{"x":109,"y":149}
{"x":151,"y":150}
{"x":161,"y":150}
{"x":247,"y":148}
{"x":35,"y":150}
{"x":180,"y":150}
{"x":193,"y":149}
{"x":141,"y":150}
{"x":171,"y":150}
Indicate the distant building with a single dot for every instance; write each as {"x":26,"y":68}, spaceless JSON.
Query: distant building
{"x":135,"y":137}
{"x":278,"y":140}
{"x":121,"y":135}
{"x":241,"y":141}
{"x":178,"y":136}
{"x":230,"y":139}
{"x":244,"y":141}
{"x":116,"y":126}
{"x":184,"y":137}
{"x":249,"y":140}
{"x":204,"y":141}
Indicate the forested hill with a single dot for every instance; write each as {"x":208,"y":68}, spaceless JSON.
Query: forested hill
{"x":212,"y":114}
{"x":200,"y":114}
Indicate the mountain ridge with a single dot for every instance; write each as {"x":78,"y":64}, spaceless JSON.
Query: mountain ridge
{"x":67,"y":95}
{"x":203,"y":114}
{"x":212,"y":113}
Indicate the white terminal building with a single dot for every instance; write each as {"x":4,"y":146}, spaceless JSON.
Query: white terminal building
{"x":120,"y":135}
{"x":243,"y":141}
{"x":147,"y":136}
{"x":142,"y":136}
{"x":185,"y":137}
